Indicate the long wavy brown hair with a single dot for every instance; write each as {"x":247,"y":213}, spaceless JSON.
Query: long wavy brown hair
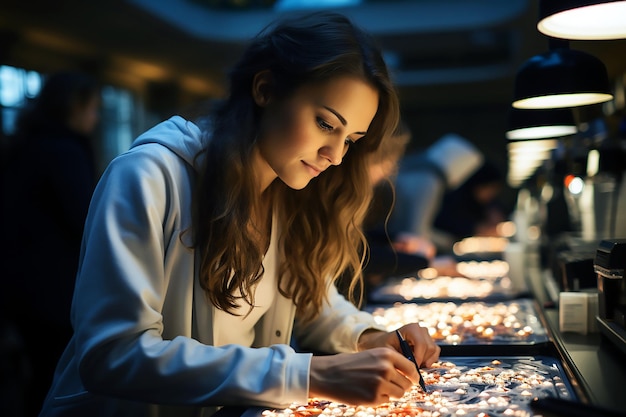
{"x":321,"y":224}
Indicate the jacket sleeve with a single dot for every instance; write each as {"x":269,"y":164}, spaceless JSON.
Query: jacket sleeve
{"x":338,"y":327}
{"x":119,"y":298}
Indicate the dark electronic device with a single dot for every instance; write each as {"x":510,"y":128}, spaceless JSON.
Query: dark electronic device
{"x":577,"y":270}
{"x":609,"y":265}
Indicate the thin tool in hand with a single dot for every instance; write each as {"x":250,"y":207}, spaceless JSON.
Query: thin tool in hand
{"x":408,"y":353}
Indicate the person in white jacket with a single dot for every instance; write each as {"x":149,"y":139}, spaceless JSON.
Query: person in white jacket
{"x":210,"y":244}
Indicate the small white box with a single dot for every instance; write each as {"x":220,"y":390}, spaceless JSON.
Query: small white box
{"x":573,"y":312}
{"x":578,"y":311}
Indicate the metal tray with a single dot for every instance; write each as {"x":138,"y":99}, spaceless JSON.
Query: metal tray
{"x":504,"y":385}
{"x":510,"y":322}
{"x":443,"y":288}
{"x":468,"y":386}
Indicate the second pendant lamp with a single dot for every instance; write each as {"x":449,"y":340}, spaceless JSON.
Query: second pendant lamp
{"x":561,"y":77}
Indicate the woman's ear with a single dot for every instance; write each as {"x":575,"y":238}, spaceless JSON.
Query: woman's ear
{"x":261,"y":87}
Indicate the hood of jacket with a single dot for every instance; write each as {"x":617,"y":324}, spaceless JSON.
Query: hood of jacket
{"x":181,"y":136}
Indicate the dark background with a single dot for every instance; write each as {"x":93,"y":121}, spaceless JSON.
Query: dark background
{"x":454,"y":61}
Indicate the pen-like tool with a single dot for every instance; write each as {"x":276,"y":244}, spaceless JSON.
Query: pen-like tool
{"x":408,"y":353}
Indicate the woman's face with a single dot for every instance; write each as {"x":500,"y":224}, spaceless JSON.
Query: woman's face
{"x":84,"y":117}
{"x":313,"y":129}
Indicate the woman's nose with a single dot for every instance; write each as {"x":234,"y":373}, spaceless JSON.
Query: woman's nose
{"x":334,"y":153}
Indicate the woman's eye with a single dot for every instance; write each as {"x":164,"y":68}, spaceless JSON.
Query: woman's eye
{"x":349,"y":142}
{"x":324,"y":125}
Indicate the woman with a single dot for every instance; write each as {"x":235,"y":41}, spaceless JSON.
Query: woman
{"x":206,"y":249}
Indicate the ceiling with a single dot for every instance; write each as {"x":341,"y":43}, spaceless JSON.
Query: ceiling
{"x":427,"y":43}
{"x":440,"y":52}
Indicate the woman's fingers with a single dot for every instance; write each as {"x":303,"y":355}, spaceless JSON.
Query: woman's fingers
{"x":425,"y":350}
{"x":369,"y":377}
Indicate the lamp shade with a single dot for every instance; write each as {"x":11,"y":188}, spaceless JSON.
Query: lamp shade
{"x":561,"y":77}
{"x":540,"y":123}
{"x":582,"y":19}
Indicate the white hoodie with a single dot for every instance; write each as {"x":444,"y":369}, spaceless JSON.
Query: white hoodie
{"x":144,"y":341}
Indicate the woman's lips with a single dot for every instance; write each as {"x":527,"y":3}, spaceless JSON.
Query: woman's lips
{"x":313,"y":169}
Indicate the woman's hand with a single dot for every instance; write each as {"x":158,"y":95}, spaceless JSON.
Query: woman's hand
{"x":378,"y":373}
{"x":415,"y":245}
{"x":445,"y":266}
{"x":371,"y":377}
{"x":425,"y":350}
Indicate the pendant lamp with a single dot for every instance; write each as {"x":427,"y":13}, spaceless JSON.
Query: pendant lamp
{"x":582,"y":19}
{"x":539,"y":124}
{"x":561,"y":77}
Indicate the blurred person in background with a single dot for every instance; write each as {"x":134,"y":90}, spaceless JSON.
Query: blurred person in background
{"x":48,"y":181}
{"x":393,"y":254}
{"x":384,"y":260}
{"x":473,"y":209}
{"x":421,"y":183}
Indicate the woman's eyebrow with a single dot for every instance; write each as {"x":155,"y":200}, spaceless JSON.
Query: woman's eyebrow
{"x":341,"y":119}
